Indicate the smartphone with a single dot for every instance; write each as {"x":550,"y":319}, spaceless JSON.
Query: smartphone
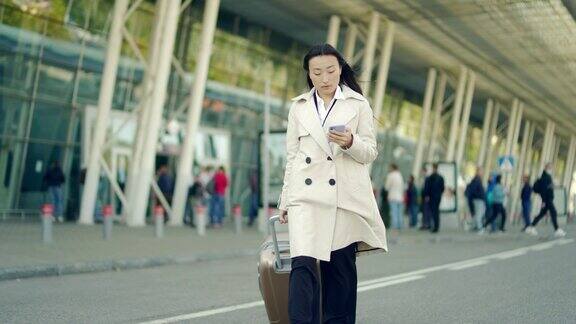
{"x":338,"y":128}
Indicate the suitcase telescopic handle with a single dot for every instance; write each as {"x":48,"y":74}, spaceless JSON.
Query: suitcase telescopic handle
{"x":272,"y":230}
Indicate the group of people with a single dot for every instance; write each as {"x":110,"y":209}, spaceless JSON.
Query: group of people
{"x":208,"y":188}
{"x":487,"y":205}
{"x":398,"y":198}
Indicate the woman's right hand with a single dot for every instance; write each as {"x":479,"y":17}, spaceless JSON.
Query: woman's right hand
{"x":283,"y":216}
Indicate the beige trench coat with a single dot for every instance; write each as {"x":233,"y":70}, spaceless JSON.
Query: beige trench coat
{"x":327,"y":190}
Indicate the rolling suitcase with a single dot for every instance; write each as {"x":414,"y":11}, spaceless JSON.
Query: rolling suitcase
{"x":273,"y":274}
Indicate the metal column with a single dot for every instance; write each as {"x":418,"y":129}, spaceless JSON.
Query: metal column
{"x":104,"y":105}
{"x":438,"y":105}
{"x":194,"y":110}
{"x":493,"y":128}
{"x":142,"y":190}
{"x":333,"y":31}
{"x":485,"y":131}
{"x":350,"y":42}
{"x":143,"y":119}
{"x":383,"y":68}
{"x":456,"y":114}
{"x":465,"y":118}
{"x":369,"y":50}
{"x":511,"y":127}
{"x":517,"y":180}
{"x":569,"y":170}
{"x":546,"y":146}
{"x":430,"y":82}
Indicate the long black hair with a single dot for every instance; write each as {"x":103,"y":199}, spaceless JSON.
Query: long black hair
{"x":347,"y":76}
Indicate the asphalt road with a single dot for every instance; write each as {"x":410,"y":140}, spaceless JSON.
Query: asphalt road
{"x":507,"y":278}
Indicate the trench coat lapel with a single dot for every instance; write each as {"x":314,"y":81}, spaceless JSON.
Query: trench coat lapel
{"x":308,"y":117}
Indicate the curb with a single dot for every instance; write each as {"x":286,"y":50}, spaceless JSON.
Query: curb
{"x":23,"y":272}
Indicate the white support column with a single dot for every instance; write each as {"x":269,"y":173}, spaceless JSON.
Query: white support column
{"x":194,"y":110}
{"x":104,"y":105}
{"x":519,"y":113}
{"x":438,"y":105}
{"x":333,"y":31}
{"x":430,"y":82}
{"x":556,"y":152}
{"x":369,"y":50}
{"x":465,"y":118}
{"x":142,"y":191}
{"x":450,"y":153}
{"x":493,"y":127}
{"x":142,"y":127}
{"x":350,"y":42}
{"x":569,"y":170}
{"x":485,"y":132}
{"x":383,"y":68}
{"x":548,"y":135}
{"x":511,"y":127}
{"x":517,"y":181}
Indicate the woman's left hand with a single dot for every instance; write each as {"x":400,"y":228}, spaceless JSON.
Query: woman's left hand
{"x":343,"y":139}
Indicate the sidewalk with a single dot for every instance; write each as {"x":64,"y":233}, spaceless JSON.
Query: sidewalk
{"x":80,"y":248}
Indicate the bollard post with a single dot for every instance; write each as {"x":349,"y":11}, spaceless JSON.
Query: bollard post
{"x":200,"y":216}
{"x":237,"y":213}
{"x":159,"y":221}
{"x":47,"y":220}
{"x":108,"y":220}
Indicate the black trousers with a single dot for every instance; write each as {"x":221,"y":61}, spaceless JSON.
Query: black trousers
{"x":497,"y":208}
{"x":336,"y":284}
{"x":434,"y":216}
{"x":547,"y":206}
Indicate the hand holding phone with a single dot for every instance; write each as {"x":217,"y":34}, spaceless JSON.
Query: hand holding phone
{"x":338,"y":128}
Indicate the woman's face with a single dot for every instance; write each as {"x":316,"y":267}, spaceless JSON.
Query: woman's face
{"x":324,"y":73}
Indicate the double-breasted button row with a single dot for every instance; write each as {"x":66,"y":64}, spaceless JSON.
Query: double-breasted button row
{"x":308,"y":181}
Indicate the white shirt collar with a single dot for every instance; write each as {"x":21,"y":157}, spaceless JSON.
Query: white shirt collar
{"x":337,"y":95}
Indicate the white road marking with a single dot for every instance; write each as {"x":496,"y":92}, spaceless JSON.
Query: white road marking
{"x":381,"y":282}
{"x":511,"y":254}
{"x":468,"y":265}
{"x":206,"y":313}
{"x":390,"y":283}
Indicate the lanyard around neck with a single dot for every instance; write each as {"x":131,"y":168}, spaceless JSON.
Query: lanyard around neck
{"x":329,"y":110}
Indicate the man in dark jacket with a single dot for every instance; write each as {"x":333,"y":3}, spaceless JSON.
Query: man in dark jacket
{"x":53,"y":180}
{"x":545,"y":188}
{"x":433,"y":189}
{"x":525,"y":196}
{"x":477,"y":196}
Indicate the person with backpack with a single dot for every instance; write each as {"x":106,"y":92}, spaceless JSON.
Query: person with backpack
{"x":545,"y":188}
{"x":498,"y":197}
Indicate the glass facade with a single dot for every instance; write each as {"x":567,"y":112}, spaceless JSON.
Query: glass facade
{"x":50,"y":69}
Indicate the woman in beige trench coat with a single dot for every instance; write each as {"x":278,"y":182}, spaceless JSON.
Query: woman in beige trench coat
{"x":327,"y":197}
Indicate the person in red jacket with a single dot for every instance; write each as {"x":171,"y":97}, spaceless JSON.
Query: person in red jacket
{"x":220,"y":181}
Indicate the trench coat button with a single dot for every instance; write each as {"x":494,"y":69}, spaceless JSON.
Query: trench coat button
{"x":329,"y":159}
{"x":332,"y":182}
{"x":308,"y":181}
{"x":308,"y":160}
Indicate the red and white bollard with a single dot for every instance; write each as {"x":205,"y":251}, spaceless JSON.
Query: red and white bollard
{"x":200,"y":219}
{"x":237,"y":214}
{"x":159,"y":221}
{"x":47,"y":220}
{"x":108,"y":221}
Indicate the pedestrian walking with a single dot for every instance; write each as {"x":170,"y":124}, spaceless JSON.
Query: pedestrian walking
{"x":395,"y":186}
{"x":433,"y":190}
{"x":424,"y":204}
{"x":166,"y":185}
{"x":412,"y":202}
{"x":545,"y":188}
{"x":477,"y":195}
{"x":53,"y":180}
{"x":217,"y":198}
{"x":327,"y":197}
{"x":498,"y":197}
{"x":525,"y":197}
